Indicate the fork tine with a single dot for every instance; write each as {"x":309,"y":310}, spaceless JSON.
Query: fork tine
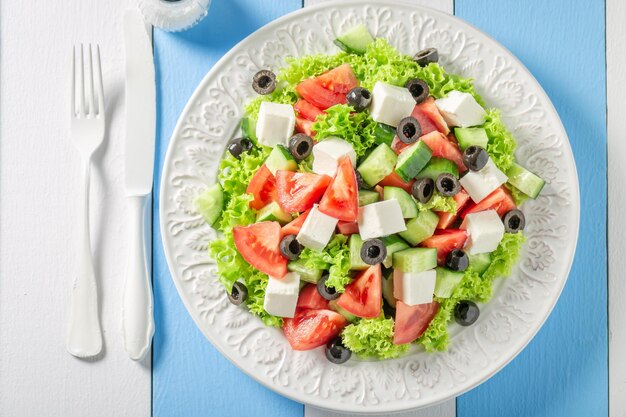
{"x":98,"y":82}
{"x":73,"y":98}
{"x":90,"y":93}
{"x":81,"y":76}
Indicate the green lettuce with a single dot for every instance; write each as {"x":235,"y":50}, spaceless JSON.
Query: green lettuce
{"x":438,"y":203}
{"x":505,"y":256}
{"x":335,"y":258}
{"x":501,"y":145}
{"x":372,"y":338}
{"x":341,"y":121}
{"x":518,"y":196}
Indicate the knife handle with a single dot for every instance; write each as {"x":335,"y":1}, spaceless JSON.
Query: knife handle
{"x":137,"y":321}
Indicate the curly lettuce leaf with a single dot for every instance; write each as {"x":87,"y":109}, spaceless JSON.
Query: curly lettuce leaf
{"x":341,"y":121}
{"x":308,"y":66}
{"x":235,"y":174}
{"x":505,"y":256}
{"x":501,"y":145}
{"x":372,"y":338}
{"x":518,"y":196}
{"x":438,"y":203}
{"x":335,"y":258}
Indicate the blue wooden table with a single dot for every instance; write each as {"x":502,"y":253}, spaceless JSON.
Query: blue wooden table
{"x":563,"y":371}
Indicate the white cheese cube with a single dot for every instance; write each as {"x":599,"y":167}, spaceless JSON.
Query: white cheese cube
{"x":485,"y":230}
{"x":479,"y":184}
{"x":281,"y":295}
{"x":275,"y":123}
{"x":380,"y":219}
{"x":461,"y":109}
{"x":414,"y":288}
{"x":317,"y":230}
{"x":328,"y":152}
{"x":390,"y":103}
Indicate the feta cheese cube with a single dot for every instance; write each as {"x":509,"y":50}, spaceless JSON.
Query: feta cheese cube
{"x":461,"y":109}
{"x":380,"y":219}
{"x":317,"y":230}
{"x":328,"y":152}
{"x":479,"y":184}
{"x":414,"y":288}
{"x":275,"y":123}
{"x":390,"y":103}
{"x":485,"y":230}
{"x":281,"y":295}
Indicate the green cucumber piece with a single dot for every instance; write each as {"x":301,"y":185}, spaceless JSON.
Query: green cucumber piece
{"x":479,"y":263}
{"x":388,"y":289}
{"x":248,"y":129}
{"x":420,"y":228}
{"x":306,"y":274}
{"x":525,"y":181}
{"x":273,"y":213}
{"x":393,"y":243}
{"x":378,"y":164}
{"x":471,"y":136}
{"x":210,"y":203}
{"x":349,"y":316}
{"x":355,"y":40}
{"x":447,"y":281}
{"x":368,"y":197}
{"x":406,"y":202}
{"x":412,"y":160}
{"x":415,"y":259}
{"x":355,"y":245}
{"x":384,"y":134}
{"x":280,"y":159}
{"x":438,"y":166}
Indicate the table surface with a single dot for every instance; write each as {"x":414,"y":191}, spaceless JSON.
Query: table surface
{"x":564,"y":371}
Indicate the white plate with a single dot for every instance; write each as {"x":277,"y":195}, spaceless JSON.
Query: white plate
{"x":521,"y":303}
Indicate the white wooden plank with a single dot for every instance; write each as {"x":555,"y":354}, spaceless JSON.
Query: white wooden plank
{"x":39,"y":179}
{"x":448,"y":408}
{"x":616,"y":108}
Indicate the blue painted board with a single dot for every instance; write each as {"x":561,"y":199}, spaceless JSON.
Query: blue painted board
{"x":563,"y":372}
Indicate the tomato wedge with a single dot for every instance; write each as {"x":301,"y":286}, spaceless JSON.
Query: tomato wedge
{"x":412,"y":321}
{"x":304,"y":126}
{"x":263,"y":187}
{"x":310,"y":298}
{"x":294,"y":226}
{"x":499,"y":200}
{"x":445,"y":148}
{"x":306,"y":110}
{"x":363,"y":296}
{"x":258,"y":244}
{"x":445,"y":218}
{"x":347,"y":228}
{"x":309,"y":328}
{"x":298,"y":191}
{"x":340,"y":79}
{"x":394,"y":180}
{"x":320,"y":97}
{"x":445,"y":241}
{"x":429,"y":117}
{"x":341,"y":199}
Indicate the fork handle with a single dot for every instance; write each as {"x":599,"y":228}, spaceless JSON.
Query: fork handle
{"x":137,"y":318}
{"x":84,"y":336}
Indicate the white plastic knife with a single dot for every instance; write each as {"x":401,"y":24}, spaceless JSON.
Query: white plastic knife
{"x":137,"y":321}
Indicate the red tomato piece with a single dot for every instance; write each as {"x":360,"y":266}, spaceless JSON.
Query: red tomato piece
{"x":347,"y":228}
{"x":394,"y":180}
{"x":412,"y":321}
{"x":340,"y":79}
{"x":445,"y":218}
{"x":363,"y":296}
{"x":294,"y":226}
{"x":309,"y":329}
{"x":320,"y":97}
{"x":310,"y":298}
{"x":445,"y":148}
{"x":429,"y":117}
{"x":304,"y":126}
{"x":445,"y":241}
{"x":306,"y":110}
{"x":499,"y":200}
{"x":341,"y":199}
{"x":258,"y":244}
{"x":298,"y":191}
{"x":263,"y":187}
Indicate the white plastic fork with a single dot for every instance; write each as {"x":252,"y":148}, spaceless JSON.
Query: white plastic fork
{"x":84,"y":336}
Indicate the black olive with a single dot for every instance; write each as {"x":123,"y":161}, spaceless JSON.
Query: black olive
{"x":457,"y":260}
{"x":264,"y":82}
{"x":466,"y":312}
{"x":327,"y":293}
{"x":359,"y":98}
{"x":373,"y":251}
{"x":514,"y":221}
{"x":290,"y":248}
{"x":423,"y":189}
{"x":300,"y":146}
{"x":409,"y":130}
{"x":360,"y":181}
{"x":418,"y":89}
{"x":238,"y":146}
{"x":447,"y":185}
{"x":426,"y":56}
{"x":238,"y":294}
{"x":475,"y":158}
{"x":336,"y":352}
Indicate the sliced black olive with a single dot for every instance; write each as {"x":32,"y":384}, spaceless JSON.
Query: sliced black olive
{"x":359,"y":98}
{"x":466,"y":312}
{"x":447,"y":185}
{"x":373,"y":251}
{"x":336,"y":352}
{"x":264,"y":82}
{"x":418,"y":89}
{"x":423,"y":189}
{"x":327,"y":293}
{"x":457,"y":260}
{"x":238,"y":146}
{"x":514,"y":221}
{"x":475,"y":158}
{"x":290,"y":248}
{"x":426,"y":56}
{"x":300,"y":146}
{"x":238,"y":294}
{"x":360,"y":181}
{"x":409,"y":130}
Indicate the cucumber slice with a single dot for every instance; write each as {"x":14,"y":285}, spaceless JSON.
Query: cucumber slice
{"x":355,"y":40}
{"x":280,"y":159}
{"x":415,"y":259}
{"x":349,"y":316}
{"x":388,"y":289}
{"x":384,"y":133}
{"x":479,"y":263}
{"x":525,"y":181}
{"x":368,"y":197}
{"x":355,"y":245}
{"x":306,"y":274}
{"x":393,"y":243}
{"x":471,"y":136}
{"x":420,"y":228}
{"x":406,"y":202}
{"x":438,"y":166}
{"x":447,"y":281}
{"x":273,"y":213}
{"x":412,"y":160}
{"x":378,"y":164}
{"x":210,"y":203}
{"x":248,"y":129}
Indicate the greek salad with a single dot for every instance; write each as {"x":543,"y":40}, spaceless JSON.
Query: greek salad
{"x":369,"y":203}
